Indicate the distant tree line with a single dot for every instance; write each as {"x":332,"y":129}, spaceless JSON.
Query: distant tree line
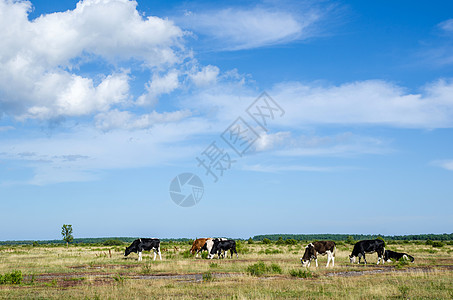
{"x":270,"y":237}
{"x":357,"y":237}
{"x":107,"y":240}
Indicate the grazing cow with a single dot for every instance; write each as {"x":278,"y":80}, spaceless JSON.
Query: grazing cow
{"x":140,"y":245}
{"x":199,"y":245}
{"x":209,"y":244}
{"x":315,"y":248}
{"x":222,"y":246}
{"x":368,"y":246}
{"x":389,"y":255}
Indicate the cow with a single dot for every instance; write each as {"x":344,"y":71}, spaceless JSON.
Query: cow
{"x":209,"y":244}
{"x":143,"y":244}
{"x":199,"y":245}
{"x":222,"y":246}
{"x":322,"y":247}
{"x":368,"y":246}
{"x":389,"y":255}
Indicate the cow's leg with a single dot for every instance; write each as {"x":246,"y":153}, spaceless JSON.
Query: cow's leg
{"x":154,"y":250}
{"x":160,"y":255}
{"x":364,"y":258}
{"x":333,"y":259}
{"x":316,"y":261}
{"x":328,"y":257}
{"x":309,"y":261}
{"x":380,"y":257}
{"x":237,"y":256}
{"x":139,"y":255}
{"x":197,"y":253}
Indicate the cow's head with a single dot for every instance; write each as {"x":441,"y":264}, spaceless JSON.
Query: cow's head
{"x":351,"y":259}
{"x":132,"y":248}
{"x":309,"y":254}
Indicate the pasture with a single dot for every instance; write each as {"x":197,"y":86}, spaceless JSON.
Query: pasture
{"x":263,"y":271}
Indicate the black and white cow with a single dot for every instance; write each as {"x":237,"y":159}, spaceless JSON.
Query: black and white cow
{"x":210,"y":244}
{"x":322,"y":247}
{"x":223,"y":247}
{"x":368,"y":246}
{"x":389,"y":255}
{"x":140,"y":245}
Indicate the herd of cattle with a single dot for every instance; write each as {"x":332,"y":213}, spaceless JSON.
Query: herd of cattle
{"x":221,"y":246}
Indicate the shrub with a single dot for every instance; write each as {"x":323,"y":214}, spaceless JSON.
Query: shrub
{"x":280,"y":241}
{"x":350,"y":240}
{"x":242,"y":248}
{"x":118,"y":278}
{"x":15,"y":277}
{"x":260,"y":268}
{"x":250,"y":241}
{"x":291,"y":242}
{"x":207,"y":277}
{"x":301,"y":273}
{"x":438,"y":244}
{"x":112,"y":243}
{"x":186,"y":254}
{"x":204,"y":254}
{"x":428,"y":242}
{"x":266,"y":241}
{"x":213,"y":265}
{"x":401,"y":263}
{"x":276,"y":269}
{"x":274,"y":251}
{"x":257,"y":269}
{"x":35,"y":244}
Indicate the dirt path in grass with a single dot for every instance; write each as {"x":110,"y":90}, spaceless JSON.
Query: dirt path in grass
{"x":389,"y":269}
{"x":107,"y":277}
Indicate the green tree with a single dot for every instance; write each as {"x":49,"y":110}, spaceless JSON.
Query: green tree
{"x":66,"y":232}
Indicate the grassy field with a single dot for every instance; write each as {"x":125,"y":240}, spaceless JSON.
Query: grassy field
{"x":263,"y":271}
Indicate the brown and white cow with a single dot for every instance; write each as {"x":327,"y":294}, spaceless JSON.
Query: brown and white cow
{"x":199,"y":245}
{"x":321,"y":247}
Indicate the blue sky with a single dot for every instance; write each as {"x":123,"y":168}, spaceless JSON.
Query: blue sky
{"x":104,"y":102}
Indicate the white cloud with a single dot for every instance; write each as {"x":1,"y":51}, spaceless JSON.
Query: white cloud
{"x":269,"y":141}
{"x":207,"y":75}
{"x":39,"y":58}
{"x":444,"y":164}
{"x":6,"y":128}
{"x":159,"y":86}
{"x":116,"y":119}
{"x":446,"y":25}
{"x":238,"y":28}
{"x":289,"y":168}
{"x":83,"y":153}
{"x":370,"y":103}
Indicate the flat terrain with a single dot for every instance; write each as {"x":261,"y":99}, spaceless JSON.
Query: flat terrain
{"x":88,"y":272}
